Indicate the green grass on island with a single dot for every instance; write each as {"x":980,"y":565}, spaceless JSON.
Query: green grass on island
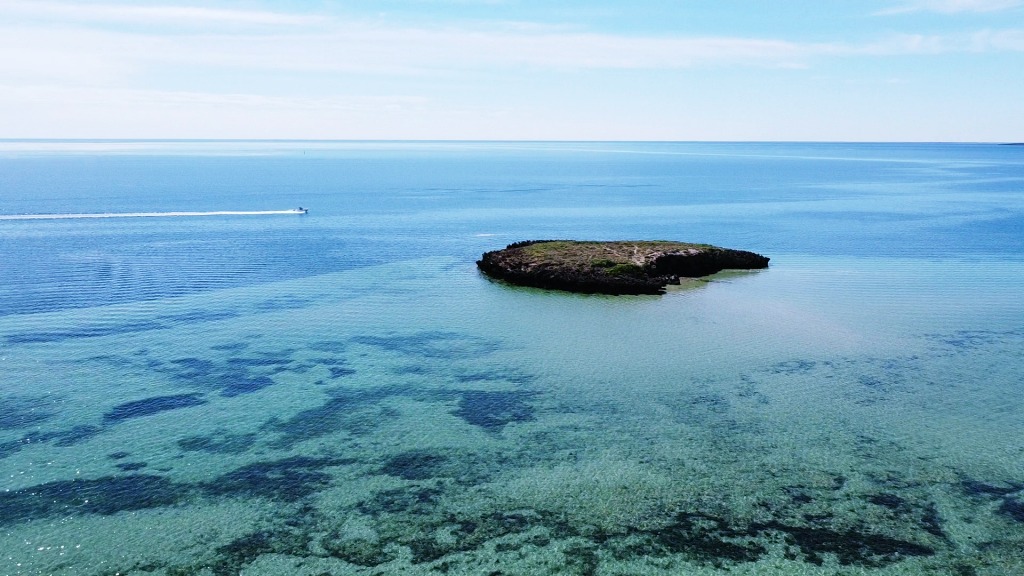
{"x":612,"y":255}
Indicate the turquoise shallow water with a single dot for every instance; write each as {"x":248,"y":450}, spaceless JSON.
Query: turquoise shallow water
{"x":343,"y":393}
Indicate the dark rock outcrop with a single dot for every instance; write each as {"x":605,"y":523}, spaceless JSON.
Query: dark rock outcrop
{"x":621,"y":267}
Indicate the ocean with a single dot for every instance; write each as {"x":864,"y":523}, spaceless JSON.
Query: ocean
{"x":343,"y":393}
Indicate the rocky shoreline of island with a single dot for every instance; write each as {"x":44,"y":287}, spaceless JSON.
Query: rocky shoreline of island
{"x":611,"y":267}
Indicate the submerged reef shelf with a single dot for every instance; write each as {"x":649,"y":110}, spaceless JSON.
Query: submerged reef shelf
{"x":615,"y":267}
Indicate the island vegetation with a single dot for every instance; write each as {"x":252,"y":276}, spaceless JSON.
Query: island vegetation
{"x":617,"y":267}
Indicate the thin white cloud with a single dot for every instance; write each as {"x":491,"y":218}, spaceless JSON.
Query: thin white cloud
{"x":77,"y":53}
{"x":40,"y":52}
{"x":96,"y":112}
{"x":951,"y":6}
{"x":44,"y":40}
{"x":568,"y":50}
{"x":115,"y":98}
{"x":1011,"y":40}
{"x":907,"y":45}
{"x":999,"y":40}
{"x":73,"y":56}
{"x":88,"y":13}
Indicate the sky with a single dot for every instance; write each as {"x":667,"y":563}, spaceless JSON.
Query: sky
{"x":734,"y":70}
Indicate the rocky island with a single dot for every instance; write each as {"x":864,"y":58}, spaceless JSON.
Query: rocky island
{"x":620,"y":267}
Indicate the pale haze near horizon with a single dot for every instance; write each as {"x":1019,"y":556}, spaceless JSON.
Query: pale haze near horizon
{"x":866,"y":70}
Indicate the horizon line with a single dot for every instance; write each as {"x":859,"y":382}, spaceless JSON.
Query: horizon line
{"x":498,"y":141}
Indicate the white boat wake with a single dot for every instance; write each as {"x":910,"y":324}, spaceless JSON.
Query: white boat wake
{"x":149,"y":214}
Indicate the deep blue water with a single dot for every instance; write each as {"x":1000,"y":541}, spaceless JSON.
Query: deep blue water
{"x":376,"y":203}
{"x":341,"y":392}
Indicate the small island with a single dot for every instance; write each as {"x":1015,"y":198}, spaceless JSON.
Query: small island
{"x":620,"y":267}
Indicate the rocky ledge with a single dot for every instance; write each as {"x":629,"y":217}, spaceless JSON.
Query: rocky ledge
{"x":622,"y":267}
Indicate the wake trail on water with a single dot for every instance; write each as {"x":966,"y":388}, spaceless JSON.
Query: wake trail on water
{"x":146,"y":214}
